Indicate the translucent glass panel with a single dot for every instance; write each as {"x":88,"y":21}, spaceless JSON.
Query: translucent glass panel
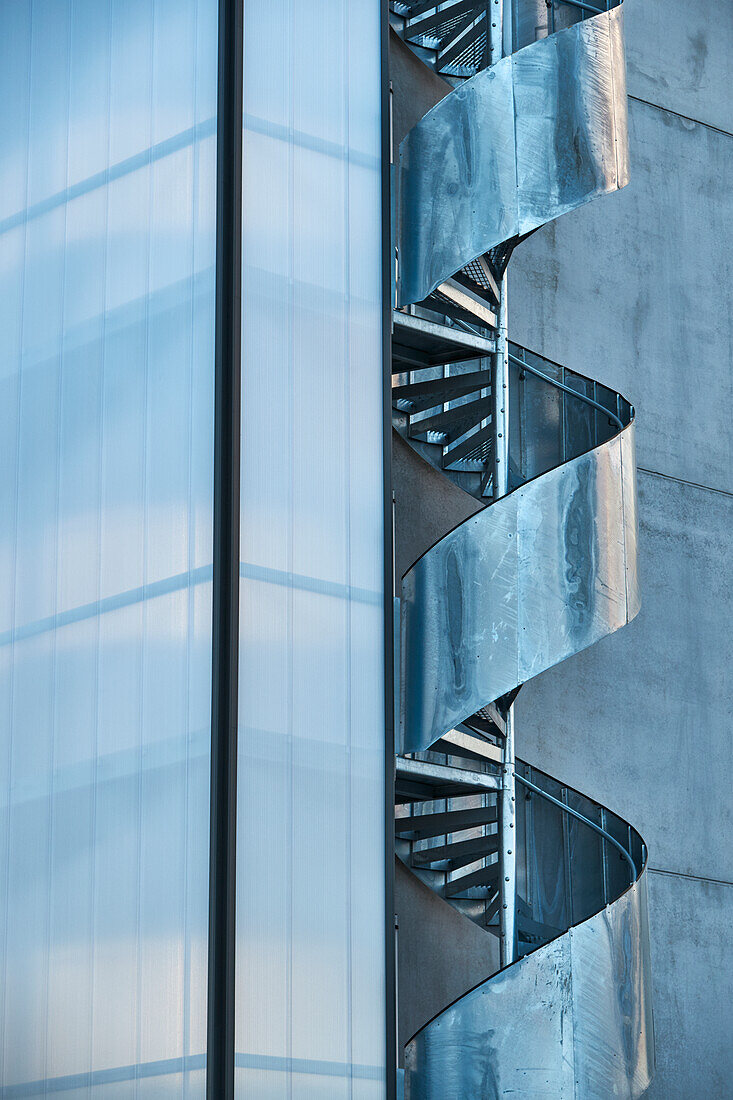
{"x":107,"y":188}
{"x":310,"y":848}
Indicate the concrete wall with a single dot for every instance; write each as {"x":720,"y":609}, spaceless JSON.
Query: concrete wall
{"x":635,"y":290}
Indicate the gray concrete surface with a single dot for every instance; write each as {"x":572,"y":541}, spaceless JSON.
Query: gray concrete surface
{"x":634,"y":289}
{"x":642,"y":721}
{"x":693,"y":1012}
{"x":678,"y":54}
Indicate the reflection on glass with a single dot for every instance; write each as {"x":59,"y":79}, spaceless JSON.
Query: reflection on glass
{"x":310,"y":856}
{"x":107,"y":133}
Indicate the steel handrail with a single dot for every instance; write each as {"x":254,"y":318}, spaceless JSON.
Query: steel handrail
{"x":585,"y":7}
{"x":566,"y":389}
{"x":581,"y":817}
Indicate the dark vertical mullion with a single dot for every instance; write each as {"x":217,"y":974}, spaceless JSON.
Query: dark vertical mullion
{"x":389,"y":578}
{"x":225,"y":597}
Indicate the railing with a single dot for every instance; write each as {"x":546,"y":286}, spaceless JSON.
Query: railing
{"x":566,"y":389}
{"x":581,"y":817}
{"x":548,"y":424}
{"x":460,"y":34}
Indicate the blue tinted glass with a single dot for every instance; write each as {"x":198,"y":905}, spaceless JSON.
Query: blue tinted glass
{"x":310,"y":849}
{"x":107,"y":211}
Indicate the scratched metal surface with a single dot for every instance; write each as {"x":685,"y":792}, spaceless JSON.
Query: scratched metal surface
{"x":581,"y":1022}
{"x":536,"y":135}
{"x":531,"y":580}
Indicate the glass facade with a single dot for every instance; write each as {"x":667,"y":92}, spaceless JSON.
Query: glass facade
{"x":107,"y":219}
{"x":310,"y":848}
{"x":107,"y":305}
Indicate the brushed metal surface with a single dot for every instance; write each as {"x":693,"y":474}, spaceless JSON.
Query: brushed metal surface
{"x":571,"y":1020}
{"x":538,"y":134}
{"x":529,"y":581}
{"x":537,"y":576}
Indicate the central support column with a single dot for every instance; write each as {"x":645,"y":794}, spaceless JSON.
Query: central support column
{"x":500,"y":46}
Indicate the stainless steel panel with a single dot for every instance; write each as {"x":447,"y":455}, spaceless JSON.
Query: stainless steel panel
{"x":580,"y":1012}
{"x":522,"y":585}
{"x":510,"y":1035}
{"x":571,"y":585}
{"x":457,"y":182}
{"x":533,"y":579}
{"x":565,"y":123}
{"x":459,"y":626}
{"x":613,"y":1031}
{"x":524,"y":141}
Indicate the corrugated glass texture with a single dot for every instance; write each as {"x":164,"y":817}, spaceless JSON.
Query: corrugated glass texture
{"x":107,"y":216}
{"x":311,"y":845}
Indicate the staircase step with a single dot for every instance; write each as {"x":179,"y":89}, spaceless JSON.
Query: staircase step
{"x":465,"y":742}
{"x":468,"y":301}
{"x":488,"y":720}
{"x":431,"y":24}
{"x":443,"y":780}
{"x":426,"y":395}
{"x":536,"y":931}
{"x":440,"y":824}
{"x":485,"y":876}
{"x":458,"y":853}
{"x":417,"y":344}
{"x":455,"y":422}
{"x":476,"y":446}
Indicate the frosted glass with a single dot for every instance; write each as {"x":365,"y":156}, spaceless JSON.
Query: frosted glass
{"x":311,"y":848}
{"x":107,"y":215}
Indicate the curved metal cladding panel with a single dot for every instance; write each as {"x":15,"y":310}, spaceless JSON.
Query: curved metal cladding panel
{"x":571,"y":1020}
{"x":524,"y":584}
{"x":534,"y":136}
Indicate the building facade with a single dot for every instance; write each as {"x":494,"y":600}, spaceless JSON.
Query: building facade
{"x":345,"y":723}
{"x":119,"y":264}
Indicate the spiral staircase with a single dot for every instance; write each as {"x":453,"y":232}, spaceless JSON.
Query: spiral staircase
{"x":529,"y":124}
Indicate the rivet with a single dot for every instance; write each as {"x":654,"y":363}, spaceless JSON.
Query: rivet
{"x":505,"y":906}
{"x":511,"y":824}
{"x":506,"y":879}
{"x":508,"y":851}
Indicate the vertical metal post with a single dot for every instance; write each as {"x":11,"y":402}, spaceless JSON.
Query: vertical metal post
{"x":604,"y":857}
{"x":500,"y":401}
{"x":508,"y":849}
{"x":391,"y":605}
{"x":567,"y":858}
{"x":397,"y":998}
{"x":501,"y":36}
{"x":225,"y":591}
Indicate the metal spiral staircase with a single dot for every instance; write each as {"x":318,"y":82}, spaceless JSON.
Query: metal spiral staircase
{"x":534,"y":127}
